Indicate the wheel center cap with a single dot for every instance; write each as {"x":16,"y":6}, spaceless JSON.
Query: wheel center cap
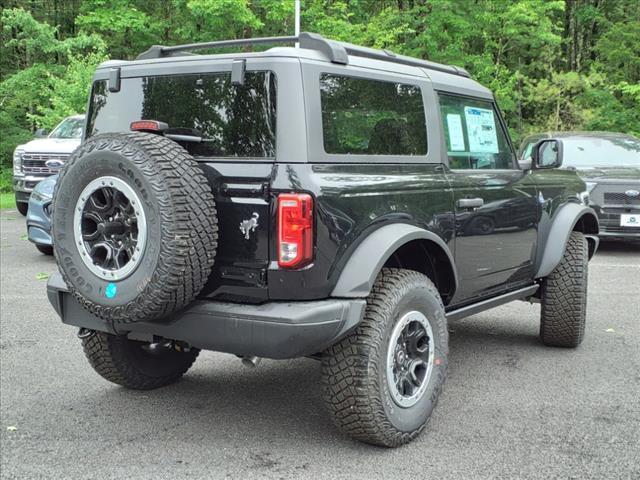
{"x":113,"y":228}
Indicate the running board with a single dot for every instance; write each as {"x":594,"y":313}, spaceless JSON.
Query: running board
{"x":491,"y":302}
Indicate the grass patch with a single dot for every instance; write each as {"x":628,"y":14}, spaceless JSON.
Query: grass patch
{"x":6,"y":180}
{"x":7,"y":200}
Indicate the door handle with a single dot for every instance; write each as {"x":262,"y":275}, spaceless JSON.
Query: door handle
{"x":470,"y":202}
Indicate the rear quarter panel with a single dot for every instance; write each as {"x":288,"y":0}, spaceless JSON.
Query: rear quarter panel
{"x":351,"y":201}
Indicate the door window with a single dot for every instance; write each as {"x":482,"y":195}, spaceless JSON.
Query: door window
{"x":371,"y":117}
{"x":473,"y":133}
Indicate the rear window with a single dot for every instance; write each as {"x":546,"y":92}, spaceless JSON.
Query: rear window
{"x":371,"y":117}
{"x":233,"y":121}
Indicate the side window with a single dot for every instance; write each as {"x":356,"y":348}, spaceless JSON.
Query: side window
{"x":371,"y":117}
{"x":475,"y":139}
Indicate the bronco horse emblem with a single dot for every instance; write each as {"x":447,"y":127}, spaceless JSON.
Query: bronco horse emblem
{"x":248,"y":226}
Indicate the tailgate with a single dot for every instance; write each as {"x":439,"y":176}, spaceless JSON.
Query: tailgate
{"x":244,"y":222}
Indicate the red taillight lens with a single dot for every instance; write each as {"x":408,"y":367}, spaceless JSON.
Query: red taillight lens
{"x":295,"y":230}
{"x":148,"y":126}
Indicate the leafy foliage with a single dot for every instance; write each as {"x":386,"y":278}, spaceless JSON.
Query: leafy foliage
{"x":553,"y":64}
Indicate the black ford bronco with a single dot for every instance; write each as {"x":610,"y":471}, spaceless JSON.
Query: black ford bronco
{"x":327,"y":200}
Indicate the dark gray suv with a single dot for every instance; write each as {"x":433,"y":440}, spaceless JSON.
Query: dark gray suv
{"x":609,"y":163}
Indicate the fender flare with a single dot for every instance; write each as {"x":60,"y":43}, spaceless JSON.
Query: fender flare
{"x":562,"y":225}
{"x":360,"y":272}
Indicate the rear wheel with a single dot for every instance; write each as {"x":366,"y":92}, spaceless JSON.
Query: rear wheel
{"x":22,"y":207}
{"x":381,"y":383}
{"x":136,"y":365}
{"x":564,"y":296}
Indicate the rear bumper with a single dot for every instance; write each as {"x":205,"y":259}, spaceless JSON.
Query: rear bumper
{"x":271,"y":330}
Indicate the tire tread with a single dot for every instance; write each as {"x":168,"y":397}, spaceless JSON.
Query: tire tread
{"x":350,"y":368}
{"x":564,"y":296}
{"x":108,"y":357}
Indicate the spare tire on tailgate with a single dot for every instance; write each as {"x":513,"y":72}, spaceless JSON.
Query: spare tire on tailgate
{"x":134,"y":226}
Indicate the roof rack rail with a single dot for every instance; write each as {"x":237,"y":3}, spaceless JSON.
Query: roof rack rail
{"x":389,"y":56}
{"x":336,"y":52}
{"x":159,"y":51}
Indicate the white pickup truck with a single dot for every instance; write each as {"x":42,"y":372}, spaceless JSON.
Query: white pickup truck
{"x":43,"y":156}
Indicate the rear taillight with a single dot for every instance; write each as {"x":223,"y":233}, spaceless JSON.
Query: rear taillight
{"x":295,"y":230}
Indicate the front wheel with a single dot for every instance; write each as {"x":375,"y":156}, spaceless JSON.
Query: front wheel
{"x":136,"y":365}
{"x":564,"y":296}
{"x":381,"y":382}
{"x":22,"y":207}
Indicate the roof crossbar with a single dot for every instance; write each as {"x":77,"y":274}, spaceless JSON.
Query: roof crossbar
{"x":336,"y":52}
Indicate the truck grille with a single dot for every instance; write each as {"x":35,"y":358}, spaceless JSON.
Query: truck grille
{"x":35,"y":163}
{"x":619,"y":198}
{"x":614,"y":195}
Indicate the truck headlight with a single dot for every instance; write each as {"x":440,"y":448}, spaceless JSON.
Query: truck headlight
{"x":17,"y":161}
{"x":590,"y":186}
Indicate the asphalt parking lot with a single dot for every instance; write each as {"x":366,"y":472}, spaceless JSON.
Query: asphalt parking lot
{"x":511,"y":407}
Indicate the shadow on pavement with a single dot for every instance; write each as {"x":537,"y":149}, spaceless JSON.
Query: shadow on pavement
{"x":223,"y":399}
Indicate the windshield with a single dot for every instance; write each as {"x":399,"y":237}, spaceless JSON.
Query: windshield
{"x":230,"y":120}
{"x":68,"y":128}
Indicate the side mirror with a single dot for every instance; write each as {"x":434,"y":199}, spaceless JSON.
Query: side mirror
{"x":41,"y":133}
{"x":547,"y":153}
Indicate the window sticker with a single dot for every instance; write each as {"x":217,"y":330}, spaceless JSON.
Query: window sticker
{"x":456,"y":135}
{"x":481,"y":129}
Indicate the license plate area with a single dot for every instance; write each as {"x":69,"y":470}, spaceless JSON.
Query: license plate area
{"x":630,"y":220}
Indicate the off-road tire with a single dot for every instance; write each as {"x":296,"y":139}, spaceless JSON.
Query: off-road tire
{"x":564,"y":296}
{"x":354,"y":374}
{"x":181,"y":226}
{"x":23,"y":208}
{"x":44,"y":249}
{"x":123,"y":361}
